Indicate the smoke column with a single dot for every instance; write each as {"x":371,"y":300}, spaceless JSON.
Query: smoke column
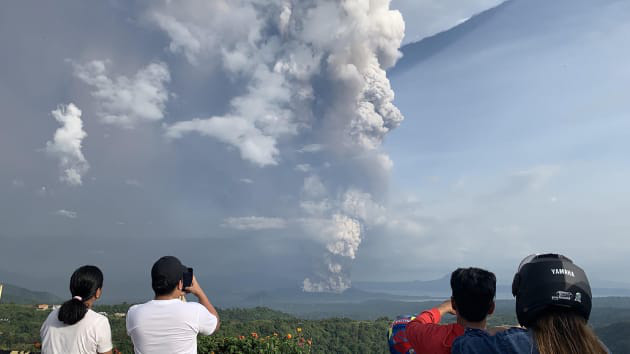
{"x":314,"y":72}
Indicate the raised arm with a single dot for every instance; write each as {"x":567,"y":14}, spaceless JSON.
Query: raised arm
{"x":196,"y":290}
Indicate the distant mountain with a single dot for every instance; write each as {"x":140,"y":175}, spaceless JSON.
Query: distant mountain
{"x":441,"y":288}
{"x":16,"y":295}
{"x":414,"y":53}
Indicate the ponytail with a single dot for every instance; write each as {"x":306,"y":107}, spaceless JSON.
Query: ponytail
{"x":84,"y":283}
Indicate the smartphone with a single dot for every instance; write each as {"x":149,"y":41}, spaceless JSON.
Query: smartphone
{"x":188,"y":277}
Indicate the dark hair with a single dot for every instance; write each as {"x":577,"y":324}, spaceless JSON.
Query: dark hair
{"x":83,"y":283}
{"x":473,"y":292}
{"x":166,"y":274}
{"x":163,"y":286}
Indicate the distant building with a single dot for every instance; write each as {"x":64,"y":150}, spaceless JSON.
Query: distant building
{"x":1,"y":286}
{"x":120,"y":314}
{"x":43,"y":307}
{"x":104,"y":313}
{"x":55,"y":307}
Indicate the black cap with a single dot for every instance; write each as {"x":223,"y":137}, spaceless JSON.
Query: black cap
{"x":167,"y":272}
{"x":550,"y":281}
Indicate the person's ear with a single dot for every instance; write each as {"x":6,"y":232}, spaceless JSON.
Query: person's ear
{"x":453,"y":304}
{"x":491,"y":310}
{"x":98,"y":293}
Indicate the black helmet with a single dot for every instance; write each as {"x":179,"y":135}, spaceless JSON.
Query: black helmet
{"x":549,"y":281}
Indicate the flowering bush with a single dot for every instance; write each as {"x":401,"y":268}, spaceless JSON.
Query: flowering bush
{"x":289,"y":343}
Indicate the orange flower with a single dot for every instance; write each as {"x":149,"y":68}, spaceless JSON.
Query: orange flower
{"x":309,"y":341}
{"x":241,"y":337}
{"x":255,"y":335}
{"x":275,"y":334}
{"x":289,"y":336}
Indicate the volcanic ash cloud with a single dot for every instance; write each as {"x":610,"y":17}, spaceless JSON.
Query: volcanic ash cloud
{"x":313,"y":72}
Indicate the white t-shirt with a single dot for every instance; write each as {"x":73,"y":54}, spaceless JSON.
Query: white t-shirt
{"x":168,"y":326}
{"x":89,"y":336}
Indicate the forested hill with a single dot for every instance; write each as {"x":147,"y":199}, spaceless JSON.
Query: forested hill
{"x":12,"y":294}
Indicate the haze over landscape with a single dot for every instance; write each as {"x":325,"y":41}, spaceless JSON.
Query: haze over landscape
{"x":279,"y":155}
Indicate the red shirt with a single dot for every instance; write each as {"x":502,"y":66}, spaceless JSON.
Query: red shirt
{"x":427,"y":336}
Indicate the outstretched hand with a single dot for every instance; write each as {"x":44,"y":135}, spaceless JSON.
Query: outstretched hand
{"x":446,"y":307}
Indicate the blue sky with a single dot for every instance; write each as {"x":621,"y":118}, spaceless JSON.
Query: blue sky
{"x":519,"y":130}
{"x":262,"y":149}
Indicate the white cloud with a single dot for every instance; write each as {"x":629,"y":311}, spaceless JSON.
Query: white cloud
{"x":133,"y":182}
{"x":313,"y":187}
{"x":246,"y":180}
{"x":311,"y":148}
{"x":125,"y":101}
{"x":66,"y":144}
{"x":303,"y":167}
{"x":253,"y":223}
{"x":252,"y":144}
{"x":67,"y":213}
{"x":535,"y":178}
{"x":182,"y":40}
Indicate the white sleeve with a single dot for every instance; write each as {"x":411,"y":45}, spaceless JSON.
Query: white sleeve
{"x":103,"y":336}
{"x":44,"y":328}
{"x":130,"y":319}
{"x":207,"y":321}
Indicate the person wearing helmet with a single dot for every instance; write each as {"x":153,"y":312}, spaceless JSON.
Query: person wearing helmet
{"x":553,"y":304}
{"x":472,"y":300}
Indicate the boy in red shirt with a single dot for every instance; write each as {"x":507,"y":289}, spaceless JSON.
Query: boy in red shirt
{"x":472,"y":301}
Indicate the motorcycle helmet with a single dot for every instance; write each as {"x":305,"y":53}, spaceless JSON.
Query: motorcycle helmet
{"x":550,"y":281}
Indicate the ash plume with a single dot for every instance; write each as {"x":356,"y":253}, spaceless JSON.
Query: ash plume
{"x":313,"y":71}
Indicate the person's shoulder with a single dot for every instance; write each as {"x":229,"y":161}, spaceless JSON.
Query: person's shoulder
{"x":193,"y":306}
{"x":94,"y":316}
{"x":513,"y":332}
{"x":52,"y":316}
{"x":472,"y":335}
{"x":138,"y":308}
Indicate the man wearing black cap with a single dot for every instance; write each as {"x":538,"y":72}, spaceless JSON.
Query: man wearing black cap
{"x":167,"y":324}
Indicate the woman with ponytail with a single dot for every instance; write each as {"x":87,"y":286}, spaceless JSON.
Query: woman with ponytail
{"x":74,"y":327}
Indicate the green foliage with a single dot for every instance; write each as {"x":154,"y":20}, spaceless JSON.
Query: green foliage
{"x":235,"y":335}
{"x":254,"y":344}
{"x":261,"y":330}
{"x":19,"y":326}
